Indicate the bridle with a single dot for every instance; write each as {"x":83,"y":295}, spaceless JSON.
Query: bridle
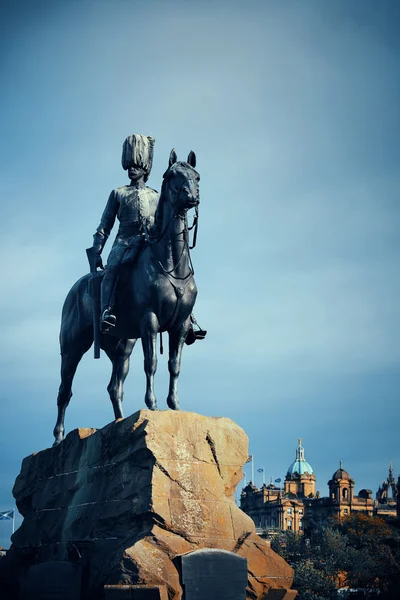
{"x":178,"y":284}
{"x":155,"y":239}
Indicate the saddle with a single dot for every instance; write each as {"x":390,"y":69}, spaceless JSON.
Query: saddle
{"x":132,"y":254}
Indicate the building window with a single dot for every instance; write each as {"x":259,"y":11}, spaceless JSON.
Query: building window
{"x":301,"y":525}
{"x":346,"y":511}
{"x":345,"y":493}
{"x":289,"y":524}
{"x":289,"y":511}
{"x":300,"y":511}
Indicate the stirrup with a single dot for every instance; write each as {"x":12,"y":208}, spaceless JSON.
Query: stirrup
{"x":193,"y":335}
{"x":200,"y":334}
{"x":108,"y":321}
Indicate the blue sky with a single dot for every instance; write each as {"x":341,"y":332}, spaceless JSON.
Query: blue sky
{"x":293,"y":111}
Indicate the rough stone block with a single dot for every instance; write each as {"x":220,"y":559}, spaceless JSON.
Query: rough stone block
{"x":137,"y":494}
{"x":51,"y":580}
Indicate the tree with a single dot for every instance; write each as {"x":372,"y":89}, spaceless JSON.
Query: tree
{"x":358,"y":551}
{"x":290,"y":545}
{"x":312,"y":582}
{"x":374,"y":559}
{"x":361,"y":530}
{"x":315,"y":561}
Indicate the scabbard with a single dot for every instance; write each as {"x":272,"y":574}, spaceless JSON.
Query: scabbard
{"x":95,"y":289}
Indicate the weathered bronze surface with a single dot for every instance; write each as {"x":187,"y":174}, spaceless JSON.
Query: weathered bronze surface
{"x":156,"y":290}
{"x":135,"y":206}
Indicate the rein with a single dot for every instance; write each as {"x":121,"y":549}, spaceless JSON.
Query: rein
{"x":158,"y":237}
{"x":173,"y":279}
{"x":155,"y":239}
{"x":185,"y":230}
{"x":195,"y":224}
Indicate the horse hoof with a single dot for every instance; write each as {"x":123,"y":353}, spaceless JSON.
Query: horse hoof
{"x":173,"y":404}
{"x":152,"y":405}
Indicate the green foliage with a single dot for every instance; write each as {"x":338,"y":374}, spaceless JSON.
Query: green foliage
{"x":363,"y":531}
{"x":312,"y":582}
{"x":290,"y":545}
{"x":358,"y":552}
{"x":312,"y":578}
{"x":375,"y":561}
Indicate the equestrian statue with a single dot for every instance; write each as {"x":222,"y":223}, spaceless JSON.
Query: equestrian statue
{"x":147,"y":286}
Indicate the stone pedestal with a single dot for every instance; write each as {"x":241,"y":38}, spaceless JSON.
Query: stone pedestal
{"x":133,"y":496}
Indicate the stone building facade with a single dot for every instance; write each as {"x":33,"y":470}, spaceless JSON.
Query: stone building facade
{"x":298,"y":506}
{"x":386,"y":497}
{"x":398,"y":497}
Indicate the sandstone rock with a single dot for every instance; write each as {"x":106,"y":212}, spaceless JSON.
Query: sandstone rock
{"x":140,"y":492}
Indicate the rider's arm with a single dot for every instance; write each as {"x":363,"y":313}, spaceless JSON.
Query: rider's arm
{"x":106,"y":223}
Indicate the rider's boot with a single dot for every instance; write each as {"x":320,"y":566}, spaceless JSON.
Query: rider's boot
{"x":194,"y":334}
{"x":108,"y":318}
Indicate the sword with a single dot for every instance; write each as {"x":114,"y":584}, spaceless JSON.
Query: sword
{"x":92,"y":258}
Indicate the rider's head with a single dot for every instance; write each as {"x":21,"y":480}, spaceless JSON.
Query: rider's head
{"x":137,"y":156}
{"x":135,"y":173}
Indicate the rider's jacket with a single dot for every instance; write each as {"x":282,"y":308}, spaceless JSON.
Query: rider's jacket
{"x":132,"y":207}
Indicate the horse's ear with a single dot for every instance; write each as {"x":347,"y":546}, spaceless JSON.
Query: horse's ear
{"x":192,"y":159}
{"x":172,"y":157}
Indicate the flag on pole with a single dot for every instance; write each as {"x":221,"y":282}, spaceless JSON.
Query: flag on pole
{"x":8,"y":515}
{"x":278,"y":480}
{"x":249,"y":458}
{"x":261,"y":470}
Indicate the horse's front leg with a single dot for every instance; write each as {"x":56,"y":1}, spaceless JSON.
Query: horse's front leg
{"x":177,"y":338}
{"x":149,"y":329}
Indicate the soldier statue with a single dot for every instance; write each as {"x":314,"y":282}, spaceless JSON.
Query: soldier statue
{"x":135,"y":206}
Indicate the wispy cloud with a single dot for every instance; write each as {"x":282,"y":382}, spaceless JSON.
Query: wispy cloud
{"x":293,"y":112}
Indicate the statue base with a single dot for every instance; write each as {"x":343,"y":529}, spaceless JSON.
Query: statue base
{"x":127,"y":500}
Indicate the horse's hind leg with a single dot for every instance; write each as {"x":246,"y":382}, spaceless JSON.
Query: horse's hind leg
{"x":69,"y":363}
{"x":119,"y":354}
{"x":177,"y":338}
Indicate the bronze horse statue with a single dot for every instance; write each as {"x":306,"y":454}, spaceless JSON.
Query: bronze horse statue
{"x":154,"y":294}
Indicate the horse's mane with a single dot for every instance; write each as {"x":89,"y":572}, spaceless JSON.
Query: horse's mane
{"x":176,"y":167}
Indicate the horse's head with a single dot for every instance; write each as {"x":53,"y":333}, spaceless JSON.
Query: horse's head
{"x":181,"y":183}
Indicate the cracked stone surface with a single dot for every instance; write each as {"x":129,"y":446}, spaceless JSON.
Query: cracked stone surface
{"x":140,"y":492}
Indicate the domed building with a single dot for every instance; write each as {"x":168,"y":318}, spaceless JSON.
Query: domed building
{"x":341,"y":486}
{"x":275,"y":509}
{"x":300,"y":477}
{"x":298,"y":506}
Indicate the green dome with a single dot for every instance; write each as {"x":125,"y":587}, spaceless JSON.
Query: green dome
{"x":300,"y":465}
